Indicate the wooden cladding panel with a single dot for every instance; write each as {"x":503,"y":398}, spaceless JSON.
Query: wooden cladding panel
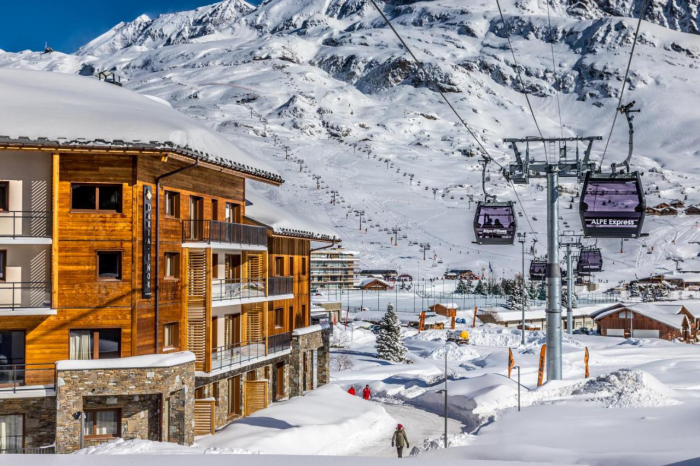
{"x":293,"y":251}
{"x":254,"y":321}
{"x":197,"y":306}
{"x":255,"y":396}
{"x":204,"y":417}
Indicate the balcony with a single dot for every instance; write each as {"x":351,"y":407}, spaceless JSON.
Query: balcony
{"x":224,"y":235}
{"x":25,"y":227}
{"x":25,"y":298}
{"x":48,"y":450}
{"x":23,"y":377}
{"x":226,"y":292}
{"x":225,"y":357}
{"x":280,"y":286}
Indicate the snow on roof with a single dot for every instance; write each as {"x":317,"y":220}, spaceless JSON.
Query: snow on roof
{"x":447,"y":305}
{"x":667,"y":314}
{"x":693,"y":307}
{"x":367,"y":281}
{"x":56,"y":109}
{"x":535,"y":314}
{"x":283,"y":222}
{"x":135,"y":362}
{"x":311,"y":329}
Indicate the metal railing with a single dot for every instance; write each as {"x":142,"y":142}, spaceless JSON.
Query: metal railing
{"x":25,"y":224}
{"x":212,"y":231}
{"x":278,"y":343}
{"x":16,"y":376}
{"x":49,"y":450}
{"x":16,"y":295}
{"x":237,"y":353}
{"x":237,"y":288}
{"x":278,"y":286}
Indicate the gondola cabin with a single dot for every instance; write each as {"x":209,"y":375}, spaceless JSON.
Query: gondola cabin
{"x":494,"y":223}
{"x":538,"y":270}
{"x":590,"y":261}
{"x":612,"y":205}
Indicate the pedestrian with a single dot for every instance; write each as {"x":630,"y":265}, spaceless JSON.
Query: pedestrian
{"x":399,"y":440}
{"x":366,"y":393}
{"x":352,"y":390}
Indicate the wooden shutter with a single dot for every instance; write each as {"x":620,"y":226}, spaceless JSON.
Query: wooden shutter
{"x":254,"y":316}
{"x":255,"y":264}
{"x":255,"y":392}
{"x":196,"y":305}
{"x":204,"y":419}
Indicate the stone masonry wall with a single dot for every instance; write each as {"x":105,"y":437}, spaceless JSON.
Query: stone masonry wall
{"x":39,"y":418}
{"x":140,"y":415}
{"x":306,"y":344}
{"x":79,"y":389}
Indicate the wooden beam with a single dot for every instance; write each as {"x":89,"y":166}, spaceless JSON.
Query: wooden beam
{"x":207,"y":315}
{"x":54,"y":228}
{"x":135,"y":257}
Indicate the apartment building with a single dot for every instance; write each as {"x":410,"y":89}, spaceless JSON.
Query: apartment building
{"x":140,"y":297}
{"x":333,"y":269}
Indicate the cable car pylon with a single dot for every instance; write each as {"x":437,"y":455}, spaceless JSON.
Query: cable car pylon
{"x":520,"y":172}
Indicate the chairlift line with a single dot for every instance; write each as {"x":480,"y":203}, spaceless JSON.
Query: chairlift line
{"x":494,"y":222}
{"x":590,"y":260}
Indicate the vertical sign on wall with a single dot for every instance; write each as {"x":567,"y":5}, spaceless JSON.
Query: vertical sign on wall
{"x":147,"y":241}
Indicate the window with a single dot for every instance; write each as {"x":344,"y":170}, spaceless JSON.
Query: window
{"x":171,"y":335}
{"x":3,"y":265}
{"x":172,"y":204}
{"x":95,"y":344}
{"x":172,"y":265}
{"x":4,"y":196}
{"x":96,"y":198}
{"x":214,"y":209}
{"x":11,"y":432}
{"x":626,"y":315}
{"x":303,"y":265}
{"x":231,"y":213}
{"x":102,"y":423}
{"x":109,"y":265}
{"x":12,"y":351}
{"x":279,"y":317}
{"x":279,"y":266}
{"x":215,"y":266}
{"x":291,"y":266}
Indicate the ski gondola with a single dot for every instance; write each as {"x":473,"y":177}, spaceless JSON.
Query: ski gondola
{"x":590,"y":261}
{"x":538,"y":270}
{"x":612,"y":205}
{"x":494,"y":221}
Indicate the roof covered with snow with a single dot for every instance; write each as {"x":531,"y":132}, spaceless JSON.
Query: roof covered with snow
{"x":134,"y":362}
{"x":446,"y":305}
{"x":366,"y":281}
{"x":667,"y":314}
{"x":283,"y":222}
{"x":55,"y":109}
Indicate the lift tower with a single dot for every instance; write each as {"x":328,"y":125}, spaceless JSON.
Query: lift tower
{"x":520,"y":172}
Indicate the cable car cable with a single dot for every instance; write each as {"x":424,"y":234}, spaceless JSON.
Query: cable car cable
{"x":624,"y":81}
{"x":554,"y":65}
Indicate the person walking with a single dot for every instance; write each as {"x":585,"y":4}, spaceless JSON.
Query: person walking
{"x":399,"y":440}
{"x":352,"y":390}
{"x":366,"y":393}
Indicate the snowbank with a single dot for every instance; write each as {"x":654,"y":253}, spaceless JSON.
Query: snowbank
{"x":135,"y":362}
{"x":147,"y":447}
{"x":326,"y":421}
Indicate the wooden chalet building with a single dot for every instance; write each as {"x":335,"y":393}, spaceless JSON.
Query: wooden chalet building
{"x":143,"y":290}
{"x":376,"y":284}
{"x":665,"y":320}
{"x":445,"y":309}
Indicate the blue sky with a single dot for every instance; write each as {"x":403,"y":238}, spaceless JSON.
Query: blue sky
{"x":68,"y":24}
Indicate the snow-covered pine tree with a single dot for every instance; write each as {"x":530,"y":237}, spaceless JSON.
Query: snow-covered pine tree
{"x":532,"y":290}
{"x":469,"y":286}
{"x":507,"y":286}
{"x":564,"y":297}
{"x":390,"y":346}
{"x":634,"y":290}
{"x":461,"y":287}
{"x":542,"y":292}
{"x":648,"y":295}
{"x":480,"y":288}
{"x":514,"y":300}
{"x":496,"y":289}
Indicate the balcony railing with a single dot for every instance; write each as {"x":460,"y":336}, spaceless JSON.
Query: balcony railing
{"x":16,"y":376}
{"x":237,"y":288}
{"x":212,"y":231}
{"x":25,"y":295}
{"x":49,"y":450}
{"x":248,"y":351}
{"x":278,"y":286}
{"x":25,"y":224}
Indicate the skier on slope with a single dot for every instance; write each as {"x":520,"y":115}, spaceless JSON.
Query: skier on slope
{"x":399,"y":440}
{"x":352,"y":390}
{"x":366,"y":393}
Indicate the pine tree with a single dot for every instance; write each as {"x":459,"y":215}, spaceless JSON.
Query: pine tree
{"x":542,"y":292}
{"x":469,"y":286}
{"x":496,"y":289}
{"x":461,"y":287}
{"x":390,"y":346}
{"x":514,"y":301}
{"x":480,"y":288}
{"x":634,"y":290}
{"x":532,"y":290}
{"x":565,"y":295}
{"x":507,"y":286}
{"x":648,"y":294}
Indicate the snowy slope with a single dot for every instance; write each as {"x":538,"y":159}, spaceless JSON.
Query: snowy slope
{"x":328,"y":81}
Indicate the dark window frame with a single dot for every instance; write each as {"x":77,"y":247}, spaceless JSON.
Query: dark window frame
{"x":278,"y":318}
{"x":176,"y":207}
{"x":5,"y":200}
{"x":121,"y":265}
{"x":97,"y":187}
{"x":94,"y":424}
{"x":304,"y":268}
{"x":24,"y":426}
{"x":279,"y":266}
{"x":3,"y":266}
{"x":176,"y":266}
{"x":176,"y":336}
{"x":95,"y":335}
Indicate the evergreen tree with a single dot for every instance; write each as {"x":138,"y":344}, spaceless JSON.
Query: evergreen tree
{"x":648,"y":294}
{"x":507,"y":286}
{"x":390,"y":346}
{"x":515,"y":298}
{"x":469,"y":286}
{"x":634,"y":290}
{"x":542,"y":291}
{"x":480,"y":288}
{"x":532,"y":290}
{"x":564,"y":296}
{"x":496,"y":289}
{"x":461,"y":287}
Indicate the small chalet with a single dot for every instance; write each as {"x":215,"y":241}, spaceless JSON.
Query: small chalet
{"x":445,"y":309}
{"x":693,"y":210}
{"x":404,"y":277}
{"x":668,"y":321}
{"x":373,"y":283}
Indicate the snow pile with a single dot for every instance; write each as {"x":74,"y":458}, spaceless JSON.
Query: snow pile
{"x":627,"y":388}
{"x":454,"y":440}
{"x":326,"y":421}
{"x":455,"y":353}
{"x":498,"y":336}
{"x":632,"y":341}
{"x":147,"y":447}
{"x":341,"y":337}
{"x":431,"y":335}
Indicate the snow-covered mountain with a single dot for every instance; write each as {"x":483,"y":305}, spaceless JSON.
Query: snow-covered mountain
{"x":328,"y":83}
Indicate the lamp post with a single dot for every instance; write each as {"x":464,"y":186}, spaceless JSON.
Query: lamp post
{"x":445,"y":392}
{"x":521,"y":240}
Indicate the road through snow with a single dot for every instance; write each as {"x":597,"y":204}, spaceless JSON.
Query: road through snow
{"x":420,"y":425}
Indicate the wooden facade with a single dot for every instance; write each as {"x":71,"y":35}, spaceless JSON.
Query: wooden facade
{"x":637,"y":321}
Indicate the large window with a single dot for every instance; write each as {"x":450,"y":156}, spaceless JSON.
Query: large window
{"x":12,"y":351}
{"x":11,"y":432}
{"x":172,"y":265}
{"x":172,"y":204}
{"x":3,"y":265}
{"x":109,"y":265}
{"x":171,"y":335}
{"x":95,"y":344}
{"x":4,"y":196}
{"x":102,"y":423}
{"x":105,"y":198}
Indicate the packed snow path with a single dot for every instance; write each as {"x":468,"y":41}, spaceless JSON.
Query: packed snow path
{"x":420,"y":426}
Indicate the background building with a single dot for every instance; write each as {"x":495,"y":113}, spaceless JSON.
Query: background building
{"x":333,"y":269}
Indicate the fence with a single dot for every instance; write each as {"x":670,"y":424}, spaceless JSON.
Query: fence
{"x":49,"y":450}
{"x":212,"y":231}
{"x":237,"y":288}
{"x":25,"y":224}
{"x":18,"y":376}
{"x":19,"y":295}
{"x":278,"y":286}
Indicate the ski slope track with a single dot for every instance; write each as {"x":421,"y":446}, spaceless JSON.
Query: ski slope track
{"x":328,"y":81}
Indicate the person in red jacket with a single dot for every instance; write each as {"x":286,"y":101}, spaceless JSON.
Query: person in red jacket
{"x":366,"y":393}
{"x":352,"y":390}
